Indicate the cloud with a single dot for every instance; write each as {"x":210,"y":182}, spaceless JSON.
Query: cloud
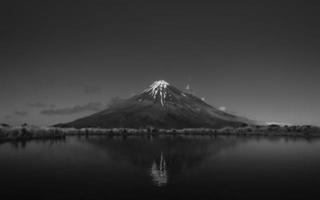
{"x":92,"y":106}
{"x":15,"y":114}
{"x":279,"y":123}
{"x":222,"y":108}
{"x":20,"y":113}
{"x":114,"y":101}
{"x":8,"y":117}
{"x":40,"y":105}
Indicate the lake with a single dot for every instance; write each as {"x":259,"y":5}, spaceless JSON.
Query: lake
{"x":199,"y":167}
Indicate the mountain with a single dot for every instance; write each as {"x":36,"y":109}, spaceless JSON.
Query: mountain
{"x":161,"y":105}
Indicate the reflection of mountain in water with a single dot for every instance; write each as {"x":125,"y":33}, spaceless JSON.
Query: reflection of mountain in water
{"x":164,"y":156}
{"x":159,"y":172}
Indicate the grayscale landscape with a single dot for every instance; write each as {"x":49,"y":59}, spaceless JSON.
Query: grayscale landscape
{"x":124,"y":99}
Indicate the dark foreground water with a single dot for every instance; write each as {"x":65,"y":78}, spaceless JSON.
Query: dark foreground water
{"x":161,"y":168}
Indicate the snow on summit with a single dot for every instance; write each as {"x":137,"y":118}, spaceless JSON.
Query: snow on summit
{"x":158,"y":88}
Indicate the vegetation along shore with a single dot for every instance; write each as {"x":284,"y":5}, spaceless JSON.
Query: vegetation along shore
{"x":26,"y":132}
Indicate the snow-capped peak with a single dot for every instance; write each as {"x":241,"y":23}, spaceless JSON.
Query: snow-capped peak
{"x":158,"y":88}
{"x":159,"y":84}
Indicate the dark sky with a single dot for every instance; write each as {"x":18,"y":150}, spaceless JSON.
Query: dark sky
{"x":63,"y":60}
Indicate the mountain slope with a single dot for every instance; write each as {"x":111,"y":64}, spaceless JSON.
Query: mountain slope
{"x":161,"y":106}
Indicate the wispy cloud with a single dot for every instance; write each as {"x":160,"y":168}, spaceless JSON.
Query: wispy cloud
{"x":20,"y":113}
{"x":8,"y":116}
{"x":16,"y":114}
{"x":114,"y":101}
{"x":92,"y":106}
{"x":222,"y":108}
{"x":40,"y":105}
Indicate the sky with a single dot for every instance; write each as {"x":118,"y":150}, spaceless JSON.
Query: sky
{"x":61,"y":60}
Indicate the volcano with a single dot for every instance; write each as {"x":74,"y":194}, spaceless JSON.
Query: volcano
{"x":161,"y":105}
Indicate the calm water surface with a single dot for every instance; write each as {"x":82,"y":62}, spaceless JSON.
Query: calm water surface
{"x":101,"y":167}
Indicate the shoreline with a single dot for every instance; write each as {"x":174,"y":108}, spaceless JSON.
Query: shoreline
{"x":33,"y":132}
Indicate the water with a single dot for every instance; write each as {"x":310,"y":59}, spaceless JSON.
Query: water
{"x":161,"y":168}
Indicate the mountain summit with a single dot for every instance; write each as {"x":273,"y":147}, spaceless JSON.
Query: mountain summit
{"x":158,"y":90}
{"x":161,"y":105}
